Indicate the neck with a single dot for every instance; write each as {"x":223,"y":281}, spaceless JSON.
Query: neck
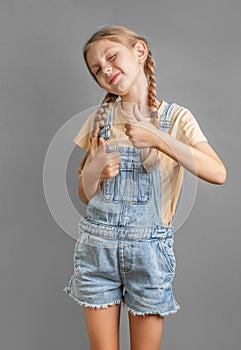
{"x":137,"y":97}
{"x":138,"y":93}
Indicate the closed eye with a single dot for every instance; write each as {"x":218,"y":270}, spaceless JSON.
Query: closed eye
{"x":111,"y":58}
{"x":97,"y":71}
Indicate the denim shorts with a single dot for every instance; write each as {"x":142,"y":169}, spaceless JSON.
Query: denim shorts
{"x":130,"y":265}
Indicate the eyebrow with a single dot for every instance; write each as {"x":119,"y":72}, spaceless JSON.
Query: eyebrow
{"x":96,"y":64}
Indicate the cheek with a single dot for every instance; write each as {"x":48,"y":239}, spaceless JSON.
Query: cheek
{"x":135,"y":71}
{"x":101,"y":81}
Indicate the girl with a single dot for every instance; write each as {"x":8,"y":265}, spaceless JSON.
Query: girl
{"x":136,"y":147}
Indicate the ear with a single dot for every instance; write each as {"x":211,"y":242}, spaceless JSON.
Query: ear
{"x":141,"y":51}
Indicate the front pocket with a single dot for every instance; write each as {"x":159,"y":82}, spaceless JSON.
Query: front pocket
{"x":131,"y":186}
{"x":166,"y":247}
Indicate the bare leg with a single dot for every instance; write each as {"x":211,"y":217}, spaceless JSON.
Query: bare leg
{"x":103,"y":327}
{"x":146,"y":332}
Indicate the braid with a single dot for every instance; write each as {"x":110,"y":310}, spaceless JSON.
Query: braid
{"x":102,"y":111}
{"x":99,"y":122}
{"x":128,"y":38}
{"x":150,"y":156}
{"x":149,"y":67}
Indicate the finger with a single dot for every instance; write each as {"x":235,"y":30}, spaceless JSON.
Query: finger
{"x":112,"y":167}
{"x":102,"y":146}
{"x":111,"y":171}
{"x":137,"y":113}
{"x":114,"y":164}
{"x":114,"y":157}
{"x":115,"y":172}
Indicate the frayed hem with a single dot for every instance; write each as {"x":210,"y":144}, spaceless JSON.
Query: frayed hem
{"x":162,"y":314}
{"x":94,"y":306}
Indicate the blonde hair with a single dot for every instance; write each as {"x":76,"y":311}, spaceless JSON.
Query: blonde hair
{"x":126,"y":37}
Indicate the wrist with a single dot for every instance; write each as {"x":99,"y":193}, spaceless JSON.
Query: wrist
{"x":90,"y":174}
{"x":157,"y":140}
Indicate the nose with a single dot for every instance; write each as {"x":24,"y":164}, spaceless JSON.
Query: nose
{"x":107,"y":70}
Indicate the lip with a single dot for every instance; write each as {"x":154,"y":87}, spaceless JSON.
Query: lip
{"x":113,"y":79}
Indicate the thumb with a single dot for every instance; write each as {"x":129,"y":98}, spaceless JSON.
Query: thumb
{"x":137,"y":113}
{"x":102,"y":145}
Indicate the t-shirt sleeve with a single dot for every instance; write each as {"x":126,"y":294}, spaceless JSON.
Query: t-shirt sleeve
{"x":187,"y":128}
{"x":82,"y":139}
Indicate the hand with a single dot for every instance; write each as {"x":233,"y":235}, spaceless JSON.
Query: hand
{"x":103,"y":165}
{"x":141,"y":133}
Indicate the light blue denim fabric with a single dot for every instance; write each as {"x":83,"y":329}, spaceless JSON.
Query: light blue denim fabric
{"x":124,"y":253}
{"x":132,"y":197}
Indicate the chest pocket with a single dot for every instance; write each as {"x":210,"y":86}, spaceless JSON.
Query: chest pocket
{"x":131,"y":186}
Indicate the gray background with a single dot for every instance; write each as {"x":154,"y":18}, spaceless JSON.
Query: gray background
{"x":196,"y":45}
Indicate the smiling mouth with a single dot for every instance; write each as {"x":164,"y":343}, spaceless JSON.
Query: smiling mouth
{"x":113,"y":79}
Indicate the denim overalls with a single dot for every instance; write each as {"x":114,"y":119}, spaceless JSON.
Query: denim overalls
{"x":124,"y":253}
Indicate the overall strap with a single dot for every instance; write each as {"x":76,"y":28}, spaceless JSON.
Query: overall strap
{"x":105,"y":131}
{"x":166,"y":117}
{"x":164,"y":122}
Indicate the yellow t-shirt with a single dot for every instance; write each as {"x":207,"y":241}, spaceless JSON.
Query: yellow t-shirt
{"x":184,"y":127}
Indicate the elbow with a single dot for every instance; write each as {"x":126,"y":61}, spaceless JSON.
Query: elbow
{"x":83,"y":198}
{"x":221,"y":175}
{"x":82,"y":195}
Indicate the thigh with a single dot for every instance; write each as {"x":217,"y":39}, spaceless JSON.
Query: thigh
{"x":146,"y":331}
{"x":103,"y":327}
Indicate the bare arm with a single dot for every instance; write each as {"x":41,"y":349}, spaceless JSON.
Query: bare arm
{"x":200,"y":159}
